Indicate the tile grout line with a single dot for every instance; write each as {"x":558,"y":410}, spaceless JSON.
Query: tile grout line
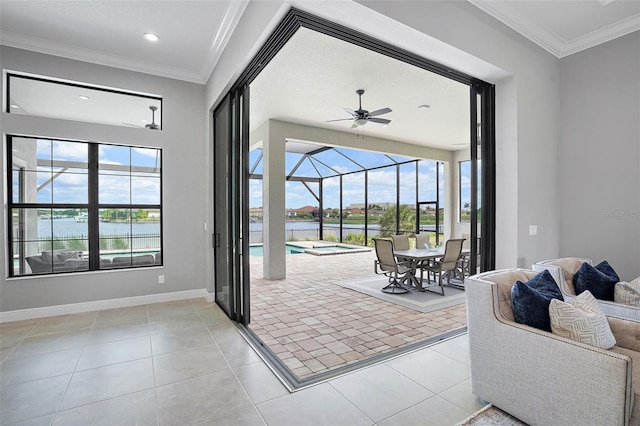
{"x":253,"y":404}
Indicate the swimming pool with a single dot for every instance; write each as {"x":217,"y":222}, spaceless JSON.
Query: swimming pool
{"x":316,"y":248}
{"x":289,"y":249}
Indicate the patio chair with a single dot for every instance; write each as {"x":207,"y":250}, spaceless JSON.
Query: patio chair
{"x":464,"y":262}
{"x":387,"y":264}
{"x":422,"y":240}
{"x":447,"y":264}
{"x":401,"y":242}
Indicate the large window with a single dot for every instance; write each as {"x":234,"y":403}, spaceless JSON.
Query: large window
{"x":79,"y":206}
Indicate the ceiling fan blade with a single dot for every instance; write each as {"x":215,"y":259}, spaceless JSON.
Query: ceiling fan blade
{"x":350,"y":111}
{"x":340,"y":119}
{"x":379,"y":112}
{"x":380,"y":120}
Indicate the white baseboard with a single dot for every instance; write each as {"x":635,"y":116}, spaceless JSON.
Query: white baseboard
{"x":98,"y":305}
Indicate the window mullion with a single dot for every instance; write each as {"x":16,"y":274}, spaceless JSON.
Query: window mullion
{"x":93,"y":222}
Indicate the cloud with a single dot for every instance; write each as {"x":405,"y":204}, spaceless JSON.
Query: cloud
{"x":148,"y":152}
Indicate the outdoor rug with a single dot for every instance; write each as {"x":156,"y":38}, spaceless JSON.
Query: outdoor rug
{"x":491,"y":416}
{"x":422,"y":301}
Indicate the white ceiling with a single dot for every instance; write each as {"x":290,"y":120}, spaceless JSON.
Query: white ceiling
{"x":564,"y":27}
{"x":194,"y":33}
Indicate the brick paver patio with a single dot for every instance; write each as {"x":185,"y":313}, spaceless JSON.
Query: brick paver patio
{"x":315,"y":326}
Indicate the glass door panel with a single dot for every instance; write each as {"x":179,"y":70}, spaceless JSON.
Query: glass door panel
{"x":223,"y":288}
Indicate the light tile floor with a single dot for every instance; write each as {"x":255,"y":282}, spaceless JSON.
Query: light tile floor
{"x":184,"y":363}
{"x":314,"y":325}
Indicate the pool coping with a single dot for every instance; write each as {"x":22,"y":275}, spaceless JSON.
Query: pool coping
{"x":309,"y":247}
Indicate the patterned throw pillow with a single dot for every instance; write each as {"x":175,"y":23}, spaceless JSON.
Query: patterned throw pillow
{"x":64,"y":255}
{"x":530,"y":300}
{"x":600,"y":280}
{"x":627,"y":293}
{"x":582,"y":320}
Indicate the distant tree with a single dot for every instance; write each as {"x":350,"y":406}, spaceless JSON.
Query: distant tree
{"x":388,"y":221}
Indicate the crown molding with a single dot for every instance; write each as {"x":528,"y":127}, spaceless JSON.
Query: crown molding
{"x":548,"y":40}
{"x":227,"y":26}
{"x":35,"y":44}
{"x":603,"y":35}
{"x":228,"y":23}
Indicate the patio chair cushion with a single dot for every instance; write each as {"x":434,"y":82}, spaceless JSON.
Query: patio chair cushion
{"x":627,"y":293}
{"x":600,"y":280}
{"x":582,"y":320}
{"x":531,"y":299}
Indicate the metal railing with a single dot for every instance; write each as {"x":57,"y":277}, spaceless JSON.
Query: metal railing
{"x":107,"y":242}
{"x":350,"y":235}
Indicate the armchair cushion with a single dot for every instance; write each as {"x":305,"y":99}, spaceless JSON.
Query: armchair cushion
{"x":600,"y":280}
{"x":582,"y":320}
{"x":627,"y":293}
{"x":531,"y":300}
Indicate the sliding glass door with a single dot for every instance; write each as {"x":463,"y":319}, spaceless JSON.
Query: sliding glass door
{"x":231,"y":152}
{"x":230,"y":184}
{"x":481,"y":179}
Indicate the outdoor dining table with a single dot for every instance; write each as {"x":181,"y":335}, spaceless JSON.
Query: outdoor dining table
{"x":415,"y":256}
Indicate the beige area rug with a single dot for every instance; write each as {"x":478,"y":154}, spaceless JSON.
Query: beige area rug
{"x":491,"y":416}
{"x":414,"y":299}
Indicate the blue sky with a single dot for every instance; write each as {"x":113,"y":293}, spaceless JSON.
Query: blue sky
{"x":465,"y":184}
{"x":115,"y":186}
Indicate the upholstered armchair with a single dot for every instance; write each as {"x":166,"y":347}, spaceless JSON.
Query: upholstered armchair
{"x":540,"y":377}
{"x":563,"y":269}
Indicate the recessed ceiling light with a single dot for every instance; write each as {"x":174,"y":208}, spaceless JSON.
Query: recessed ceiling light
{"x":151,"y":36}
{"x":84,"y":97}
{"x":424,"y":106}
{"x":15,"y":106}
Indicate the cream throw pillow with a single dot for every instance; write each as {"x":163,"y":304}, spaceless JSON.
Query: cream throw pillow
{"x":582,"y":320}
{"x":627,"y":293}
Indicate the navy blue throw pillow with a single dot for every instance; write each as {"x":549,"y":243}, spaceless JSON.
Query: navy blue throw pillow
{"x":530,"y":301}
{"x":600,"y":280}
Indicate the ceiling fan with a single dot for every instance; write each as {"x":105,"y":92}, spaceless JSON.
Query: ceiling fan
{"x":360,"y":117}
{"x":152,"y":125}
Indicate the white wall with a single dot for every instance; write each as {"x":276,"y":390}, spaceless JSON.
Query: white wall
{"x":461,"y":36}
{"x":599,"y":155}
{"x":534,"y":139}
{"x":185,"y":184}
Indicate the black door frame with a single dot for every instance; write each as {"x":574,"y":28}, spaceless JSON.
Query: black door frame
{"x":292,"y":21}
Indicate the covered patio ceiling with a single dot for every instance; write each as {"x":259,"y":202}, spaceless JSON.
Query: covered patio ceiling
{"x":314,"y":78}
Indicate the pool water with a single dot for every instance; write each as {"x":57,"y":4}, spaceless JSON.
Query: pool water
{"x":333,"y":249}
{"x":289,"y":249}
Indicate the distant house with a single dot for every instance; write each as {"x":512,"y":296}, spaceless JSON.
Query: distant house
{"x":255,"y":212}
{"x":313,"y":211}
{"x":153,"y":214}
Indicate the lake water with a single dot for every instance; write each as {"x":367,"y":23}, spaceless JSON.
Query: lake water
{"x":69,"y":227}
